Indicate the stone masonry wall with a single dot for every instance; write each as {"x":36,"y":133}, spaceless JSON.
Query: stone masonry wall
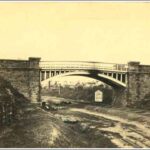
{"x":119,"y":97}
{"x":138,"y":84}
{"x":137,"y":92}
{"x":24,"y":75}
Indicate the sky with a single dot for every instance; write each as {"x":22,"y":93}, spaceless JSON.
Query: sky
{"x":87,"y":31}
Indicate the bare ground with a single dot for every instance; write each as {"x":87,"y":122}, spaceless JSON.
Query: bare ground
{"x":77,"y":125}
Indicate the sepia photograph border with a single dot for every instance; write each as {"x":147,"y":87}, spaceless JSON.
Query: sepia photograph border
{"x":65,"y":1}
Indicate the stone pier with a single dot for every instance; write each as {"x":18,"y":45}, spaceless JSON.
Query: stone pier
{"x":24,"y":76}
{"x":137,"y":91}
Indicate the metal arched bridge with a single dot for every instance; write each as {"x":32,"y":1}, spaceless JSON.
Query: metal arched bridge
{"x":110,"y":73}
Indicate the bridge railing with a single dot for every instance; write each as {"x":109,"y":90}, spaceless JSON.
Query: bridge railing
{"x":51,"y":65}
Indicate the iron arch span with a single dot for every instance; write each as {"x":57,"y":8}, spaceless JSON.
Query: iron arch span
{"x":98,"y":76}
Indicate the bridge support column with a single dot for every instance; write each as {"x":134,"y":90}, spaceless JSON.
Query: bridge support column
{"x":55,"y":73}
{"x":126,"y":79}
{"x":44,"y":75}
{"x":121,"y":77}
{"x":40,"y":76}
{"x":117,"y":76}
{"x":34,"y":80}
{"x":131,"y":95}
{"x":137,"y":92}
{"x":50,"y":74}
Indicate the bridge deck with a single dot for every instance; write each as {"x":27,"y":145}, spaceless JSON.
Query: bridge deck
{"x":73,"y":65}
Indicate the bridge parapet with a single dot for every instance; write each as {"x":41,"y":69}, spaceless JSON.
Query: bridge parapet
{"x":74,"y":65}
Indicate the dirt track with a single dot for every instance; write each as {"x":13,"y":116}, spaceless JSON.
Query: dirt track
{"x":72,"y":125}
